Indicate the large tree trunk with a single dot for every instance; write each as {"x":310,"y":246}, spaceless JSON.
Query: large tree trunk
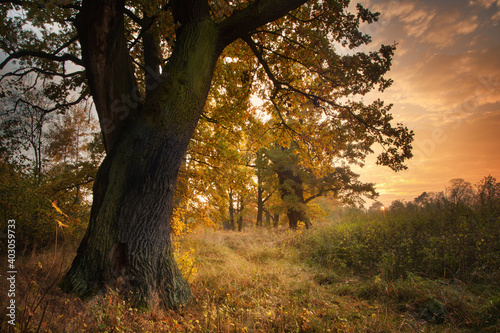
{"x":127,"y":243}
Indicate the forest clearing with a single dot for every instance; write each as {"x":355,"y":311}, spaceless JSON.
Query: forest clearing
{"x":353,"y":272}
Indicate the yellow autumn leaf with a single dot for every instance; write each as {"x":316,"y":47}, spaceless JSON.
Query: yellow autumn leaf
{"x":54,"y":205}
{"x":60,"y":224}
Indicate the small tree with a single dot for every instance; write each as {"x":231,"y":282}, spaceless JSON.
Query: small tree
{"x":376,"y":207}
{"x":299,"y":184}
{"x":23,"y":130}
{"x":460,"y":192}
{"x":488,"y":193}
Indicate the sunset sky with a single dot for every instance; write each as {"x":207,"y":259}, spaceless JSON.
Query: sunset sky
{"x":446,"y":74}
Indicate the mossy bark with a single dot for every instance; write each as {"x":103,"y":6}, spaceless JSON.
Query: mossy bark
{"x":127,"y":244}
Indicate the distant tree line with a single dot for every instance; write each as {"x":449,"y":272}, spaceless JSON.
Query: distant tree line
{"x":459,"y":195}
{"x":452,"y":235}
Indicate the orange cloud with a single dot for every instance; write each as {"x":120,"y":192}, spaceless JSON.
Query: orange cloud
{"x":446,"y":88}
{"x":484,"y":3}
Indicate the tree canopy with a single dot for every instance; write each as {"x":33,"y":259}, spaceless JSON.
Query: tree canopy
{"x":154,"y":69}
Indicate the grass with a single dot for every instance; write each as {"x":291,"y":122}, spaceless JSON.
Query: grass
{"x":262,"y":281}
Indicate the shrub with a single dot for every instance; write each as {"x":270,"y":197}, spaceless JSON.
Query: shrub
{"x":437,"y":240}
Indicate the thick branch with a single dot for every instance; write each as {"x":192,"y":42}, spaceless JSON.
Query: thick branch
{"x":152,"y":54}
{"x":40,"y":4}
{"x":13,"y":2}
{"x":109,"y":69}
{"x":184,"y":11}
{"x":242,"y":22}
{"x":317,"y":195}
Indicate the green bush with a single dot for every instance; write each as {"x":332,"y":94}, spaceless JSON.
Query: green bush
{"x":438,"y":240}
{"x":29,"y":203}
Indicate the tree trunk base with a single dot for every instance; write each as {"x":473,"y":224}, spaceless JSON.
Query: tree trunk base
{"x":165,"y":287}
{"x":127,"y":245}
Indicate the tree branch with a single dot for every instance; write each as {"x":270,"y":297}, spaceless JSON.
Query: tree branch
{"x":13,"y":2}
{"x":43,"y":55}
{"x":253,"y":46}
{"x":217,"y":169}
{"x":132,"y":16}
{"x":241,"y":22}
{"x":269,"y":196}
{"x":27,"y":70}
{"x":54,"y":108}
{"x":108,"y":67}
{"x":40,"y":4}
{"x":65,"y":45}
{"x":280,"y":84}
{"x":317,"y":195}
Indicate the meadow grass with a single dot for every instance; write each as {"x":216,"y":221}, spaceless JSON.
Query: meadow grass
{"x":327,"y":279}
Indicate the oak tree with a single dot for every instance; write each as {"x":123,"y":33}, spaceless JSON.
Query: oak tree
{"x":148,"y":67}
{"x":299,"y":183}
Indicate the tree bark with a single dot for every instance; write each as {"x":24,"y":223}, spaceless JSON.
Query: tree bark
{"x":276,"y":220}
{"x":108,"y":66}
{"x":240,"y":214}
{"x":260,"y":204}
{"x":152,"y":59}
{"x":268,"y":218}
{"x":127,"y":243}
{"x":260,"y":190}
{"x":128,"y":238}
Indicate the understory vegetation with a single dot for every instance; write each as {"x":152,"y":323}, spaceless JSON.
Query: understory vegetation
{"x":432,"y":267}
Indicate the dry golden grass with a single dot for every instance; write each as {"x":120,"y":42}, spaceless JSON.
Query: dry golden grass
{"x":253,"y":281}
